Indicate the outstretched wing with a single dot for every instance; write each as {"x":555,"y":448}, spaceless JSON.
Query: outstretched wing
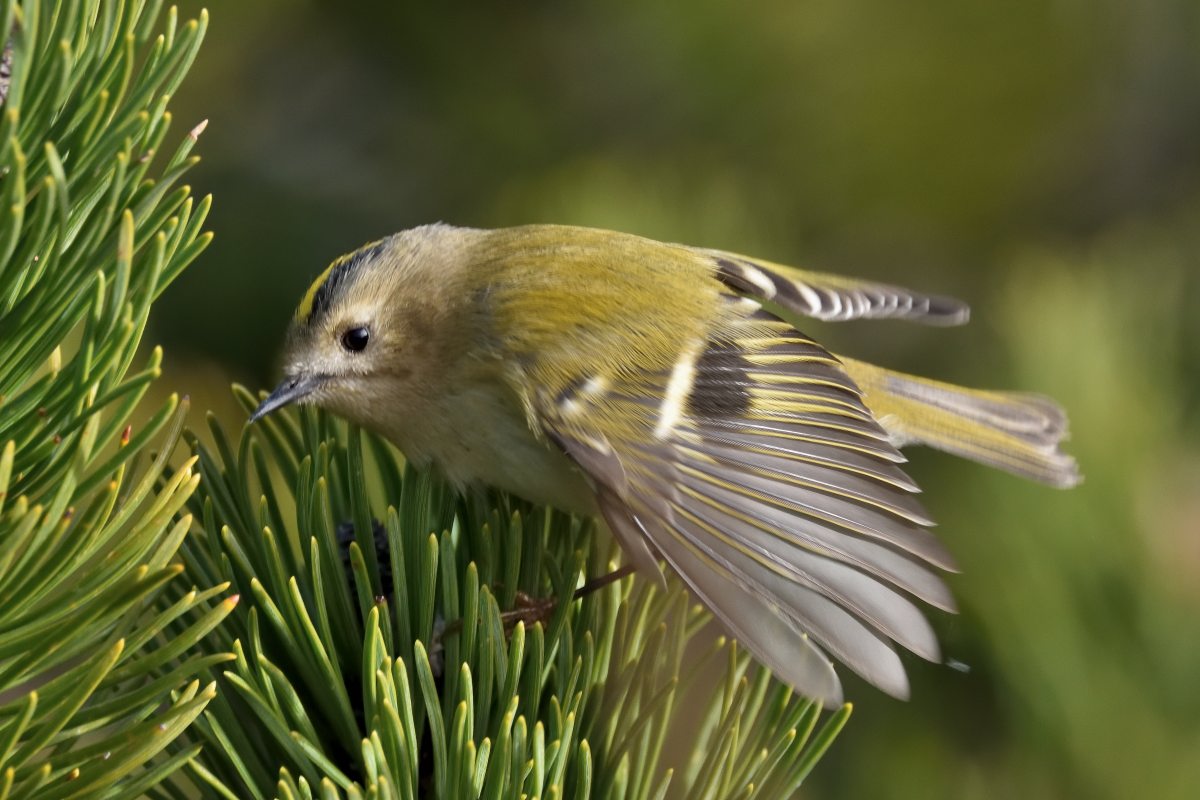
{"x":754,"y":470}
{"x":833,"y":298}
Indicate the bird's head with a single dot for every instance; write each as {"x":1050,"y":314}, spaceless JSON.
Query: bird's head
{"x":376,"y":327}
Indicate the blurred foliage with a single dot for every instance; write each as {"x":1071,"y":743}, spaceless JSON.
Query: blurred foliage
{"x":1037,"y":159}
{"x":920,"y":141}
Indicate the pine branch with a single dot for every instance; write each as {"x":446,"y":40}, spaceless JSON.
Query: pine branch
{"x":96,"y":680}
{"x":384,"y":664}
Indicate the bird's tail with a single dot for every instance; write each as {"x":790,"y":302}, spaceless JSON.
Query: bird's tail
{"x":1013,"y":431}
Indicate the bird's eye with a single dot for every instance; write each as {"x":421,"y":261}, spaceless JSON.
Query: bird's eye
{"x":355,"y":339}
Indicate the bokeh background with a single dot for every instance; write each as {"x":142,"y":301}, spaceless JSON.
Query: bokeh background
{"x":1039,"y":159}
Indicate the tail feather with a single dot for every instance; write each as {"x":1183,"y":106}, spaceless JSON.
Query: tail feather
{"x":1013,"y":431}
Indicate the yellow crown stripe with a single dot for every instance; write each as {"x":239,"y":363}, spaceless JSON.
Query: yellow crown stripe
{"x":306,"y":304}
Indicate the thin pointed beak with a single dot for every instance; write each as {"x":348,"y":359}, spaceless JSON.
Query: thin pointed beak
{"x":291,"y":389}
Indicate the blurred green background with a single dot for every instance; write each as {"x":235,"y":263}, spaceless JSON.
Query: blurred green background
{"x":1038,"y":159}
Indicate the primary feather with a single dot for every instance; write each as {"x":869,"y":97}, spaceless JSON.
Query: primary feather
{"x":643,"y":381}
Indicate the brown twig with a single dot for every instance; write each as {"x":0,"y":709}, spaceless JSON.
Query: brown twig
{"x":537,"y":610}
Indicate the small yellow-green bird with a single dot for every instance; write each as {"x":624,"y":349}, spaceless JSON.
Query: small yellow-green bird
{"x":605,"y":373}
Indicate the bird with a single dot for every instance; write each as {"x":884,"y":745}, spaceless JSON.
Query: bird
{"x":664,"y":389}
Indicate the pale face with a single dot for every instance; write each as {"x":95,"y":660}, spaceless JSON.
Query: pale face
{"x":382,"y":338}
{"x":365,"y":360}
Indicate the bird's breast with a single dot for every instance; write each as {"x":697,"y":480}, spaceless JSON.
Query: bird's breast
{"x":480,"y":436}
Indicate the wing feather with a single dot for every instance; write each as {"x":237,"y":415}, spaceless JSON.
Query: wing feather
{"x":833,"y":298}
{"x":809,"y":450}
{"x":780,"y":569}
{"x":847,"y":490}
{"x":773,"y":492}
{"x":828,"y":540}
{"x":761,"y":626}
{"x":846,"y":636}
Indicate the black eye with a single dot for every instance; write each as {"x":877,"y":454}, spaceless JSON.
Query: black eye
{"x":356,"y":339}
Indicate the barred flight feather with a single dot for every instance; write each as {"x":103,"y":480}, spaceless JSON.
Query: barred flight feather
{"x":833,"y":298}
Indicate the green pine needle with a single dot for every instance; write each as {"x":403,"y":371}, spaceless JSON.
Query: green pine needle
{"x":397,"y":642}
{"x":99,"y":655}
